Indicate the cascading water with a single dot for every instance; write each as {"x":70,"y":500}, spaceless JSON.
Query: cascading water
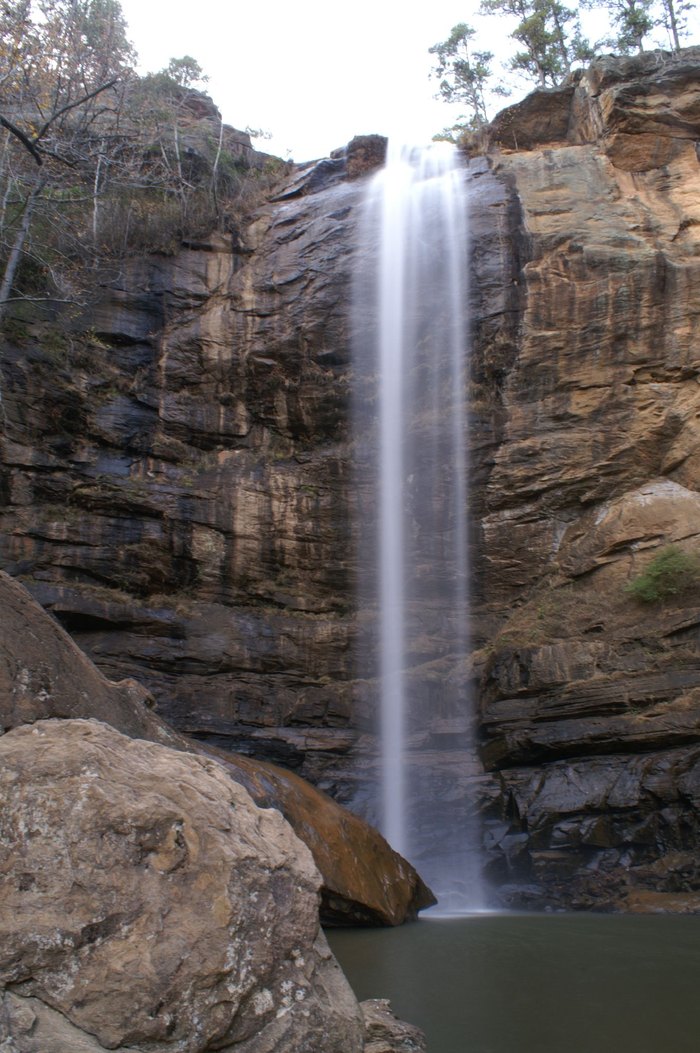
{"x":411,"y":363}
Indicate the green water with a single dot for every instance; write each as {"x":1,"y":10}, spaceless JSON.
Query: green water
{"x":536,"y":983}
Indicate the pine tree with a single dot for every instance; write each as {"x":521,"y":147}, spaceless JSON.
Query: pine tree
{"x":549,"y":34}
{"x":633,"y":20}
{"x":464,"y":74}
{"x":674,"y":17}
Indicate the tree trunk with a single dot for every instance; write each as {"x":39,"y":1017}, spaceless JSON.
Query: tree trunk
{"x":215,"y":173}
{"x":561,"y":42}
{"x":672,"y":24}
{"x":18,"y":245}
{"x":6,"y":175}
{"x":96,"y":198}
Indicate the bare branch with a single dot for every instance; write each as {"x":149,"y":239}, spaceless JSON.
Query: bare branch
{"x":71,"y":106}
{"x":26,"y":142}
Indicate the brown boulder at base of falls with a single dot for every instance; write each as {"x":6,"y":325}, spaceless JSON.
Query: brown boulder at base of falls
{"x":352,"y":853}
{"x":152,"y":904}
{"x":44,"y":674}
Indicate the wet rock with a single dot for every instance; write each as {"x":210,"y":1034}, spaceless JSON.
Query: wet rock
{"x":599,"y":832}
{"x":151,"y":904}
{"x":364,"y":881}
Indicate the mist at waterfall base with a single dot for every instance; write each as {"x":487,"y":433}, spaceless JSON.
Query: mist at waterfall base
{"x":410,"y":339}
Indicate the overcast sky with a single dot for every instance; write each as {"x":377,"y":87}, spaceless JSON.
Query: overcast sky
{"x":310,"y":72}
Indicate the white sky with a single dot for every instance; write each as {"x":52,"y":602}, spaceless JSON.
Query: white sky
{"x":310,"y":72}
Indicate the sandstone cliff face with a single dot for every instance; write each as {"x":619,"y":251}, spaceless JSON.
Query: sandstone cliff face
{"x":179,"y":486}
{"x":590,"y":707}
{"x":175,"y":483}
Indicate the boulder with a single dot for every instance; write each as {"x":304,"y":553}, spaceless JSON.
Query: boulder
{"x":365,"y":153}
{"x":151,"y":905}
{"x":44,"y":674}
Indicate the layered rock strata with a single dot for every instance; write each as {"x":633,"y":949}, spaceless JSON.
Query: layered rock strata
{"x":179,"y":487}
{"x":175,"y":478}
{"x":590,"y":710}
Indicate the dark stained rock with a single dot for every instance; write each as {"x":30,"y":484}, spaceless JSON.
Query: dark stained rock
{"x":364,"y":154}
{"x":182,"y":491}
{"x":601,"y":832}
{"x":542,"y":118}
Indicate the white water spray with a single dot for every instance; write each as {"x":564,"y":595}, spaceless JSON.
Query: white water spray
{"x":411,"y":327}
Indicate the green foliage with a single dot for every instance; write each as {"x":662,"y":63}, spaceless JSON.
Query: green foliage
{"x":14,"y":330}
{"x":633,"y":20}
{"x":549,"y":36}
{"x":464,"y":76}
{"x":672,"y":572}
{"x":549,"y":45}
{"x":185,"y":71}
{"x":453,"y":133}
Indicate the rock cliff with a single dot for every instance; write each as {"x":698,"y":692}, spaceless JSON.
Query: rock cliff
{"x":590,"y":710}
{"x":179,"y":488}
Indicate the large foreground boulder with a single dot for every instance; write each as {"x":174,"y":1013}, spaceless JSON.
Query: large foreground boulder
{"x":149,"y":904}
{"x":44,"y":674}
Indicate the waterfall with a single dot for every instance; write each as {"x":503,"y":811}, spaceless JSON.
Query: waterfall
{"x":410,"y":338}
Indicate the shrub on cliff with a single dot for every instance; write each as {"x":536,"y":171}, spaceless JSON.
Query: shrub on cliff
{"x":97,"y":163}
{"x":672,"y":572}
